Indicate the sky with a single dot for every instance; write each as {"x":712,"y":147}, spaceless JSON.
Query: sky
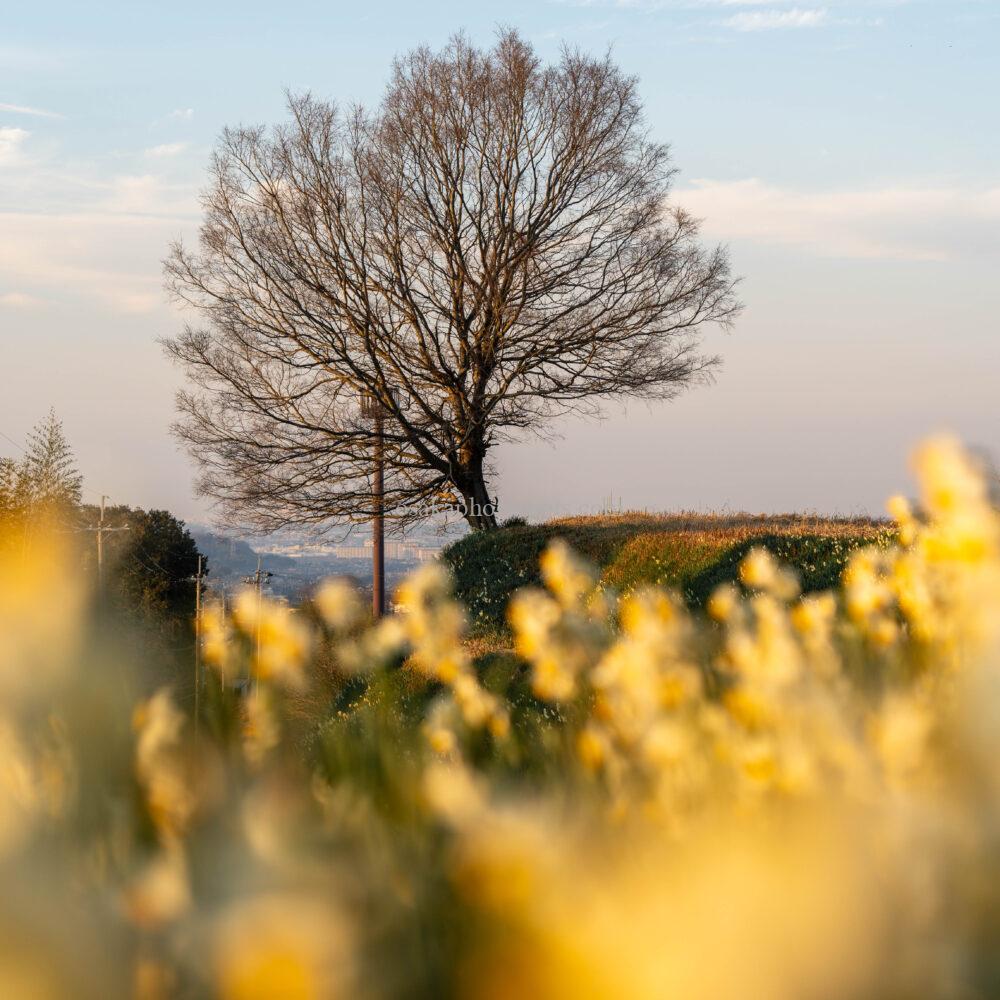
{"x":847,"y":152}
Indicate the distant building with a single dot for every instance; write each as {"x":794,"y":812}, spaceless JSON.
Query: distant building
{"x":403,"y":551}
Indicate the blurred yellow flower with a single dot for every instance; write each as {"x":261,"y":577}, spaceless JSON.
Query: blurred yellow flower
{"x":293,"y":946}
{"x":339,"y":604}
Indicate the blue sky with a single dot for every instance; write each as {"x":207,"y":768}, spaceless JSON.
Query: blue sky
{"x":848,"y":152}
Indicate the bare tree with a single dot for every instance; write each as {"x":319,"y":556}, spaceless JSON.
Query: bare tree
{"x":492,"y":246}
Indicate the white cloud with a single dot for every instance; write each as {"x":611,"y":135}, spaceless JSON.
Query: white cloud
{"x":77,"y":239}
{"x":109,"y":261}
{"x":649,"y":6}
{"x":11,"y":139}
{"x":769,"y":20}
{"x":182,"y":114}
{"x":22,"y":109}
{"x":17,"y":300}
{"x":898,"y":223}
{"x":166,"y":149}
{"x":147,"y":195}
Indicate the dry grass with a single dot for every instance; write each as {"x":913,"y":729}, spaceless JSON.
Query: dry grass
{"x":737,"y":525}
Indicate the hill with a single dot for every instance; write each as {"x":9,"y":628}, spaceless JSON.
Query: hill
{"x":690,"y":553}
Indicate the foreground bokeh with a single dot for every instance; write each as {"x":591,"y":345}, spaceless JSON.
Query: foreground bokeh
{"x":789,"y":797}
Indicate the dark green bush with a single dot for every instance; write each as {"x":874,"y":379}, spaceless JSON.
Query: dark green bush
{"x":489,"y":566}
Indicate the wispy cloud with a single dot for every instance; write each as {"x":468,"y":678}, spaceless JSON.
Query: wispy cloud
{"x":774,"y":6}
{"x":896,"y":223}
{"x":11,"y":140}
{"x":17,"y":300}
{"x":166,"y":149}
{"x":73,"y":237}
{"x":23,"y":109}
{"x":182,"y":114}
{"x":88,"y":259}
{"x":771,"y":20}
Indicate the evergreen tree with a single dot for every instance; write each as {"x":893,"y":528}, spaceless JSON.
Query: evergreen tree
{"x":10,"y":489}
{"x":49,"y":469}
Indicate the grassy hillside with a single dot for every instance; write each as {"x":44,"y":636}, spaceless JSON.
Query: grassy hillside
{"x":691,"y":553}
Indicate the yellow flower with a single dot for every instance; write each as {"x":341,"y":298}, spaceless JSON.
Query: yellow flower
{"x":592,"y":747}
{"x":375,"y":647}
{"x":949,"y":480}
{"x":339,"y":604}
{"x":551,"y":681}
{"x":900,"y":732}
{"x":475,"y":703}
{"x":442,"y":741}
{"x":560,"y":643}
{"x":19,"y":798}
{"x":43,"y":600}
{"x":280,"y":639}
{"x":161,"y":765}
{"x":160,"y":893}
{"x":439,"y":727}
{"x":749,"y":708}
{"x":453,"y":792}
{"x":261,"y":726}
{"x":883,"y":631}
{"x":667,"y":743}
{"x":433,"y":623}
{"x":565,"y":574}
{"x":902,"y":513}
{"x":216,"y":638}
{"x":646,"y":610}
{"x":428,"y":586}
{"x":500,"y":862}
{"x":499,"y":723}
{"x":813,"y":616}
{"x":293,"y":946}
{"x":724,"y":602}
{"x":760,"y":571}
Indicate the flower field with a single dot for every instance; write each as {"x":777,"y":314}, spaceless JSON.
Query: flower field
{"x":778,"y":791}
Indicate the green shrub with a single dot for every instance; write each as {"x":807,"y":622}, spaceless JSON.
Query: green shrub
{"x":489,"y":566}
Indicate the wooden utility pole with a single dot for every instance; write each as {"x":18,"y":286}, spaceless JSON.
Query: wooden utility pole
{"x":257,"y":580}
{"x":372,"y":408}
{"x":197,"y":646}
{"x":378,"y":521}
{"x":100,"y":531}
{"x":257,"y":629}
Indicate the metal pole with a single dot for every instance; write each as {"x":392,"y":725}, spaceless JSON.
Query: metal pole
{"x":378,"y":522}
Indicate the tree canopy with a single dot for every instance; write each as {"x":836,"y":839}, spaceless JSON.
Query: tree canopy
{"x":493,"y":245}
{"x":151,"y":565}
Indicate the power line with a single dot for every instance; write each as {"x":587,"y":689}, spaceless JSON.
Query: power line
{"x":19,"y":447}
{"x":100,"y":532}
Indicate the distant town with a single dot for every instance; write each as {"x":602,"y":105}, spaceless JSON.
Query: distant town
{"x":294,"y":561}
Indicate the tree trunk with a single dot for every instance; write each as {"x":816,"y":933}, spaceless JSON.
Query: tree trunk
{"x":480,"y":509}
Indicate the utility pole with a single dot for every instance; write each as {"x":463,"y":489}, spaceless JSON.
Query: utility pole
{"x":257,"y":581}
{"x":197,"y":647}
{"x":372,"y":408}
{"x":222,"y":609}
{"x":378,"y":521}
{"x":100,"y":532}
